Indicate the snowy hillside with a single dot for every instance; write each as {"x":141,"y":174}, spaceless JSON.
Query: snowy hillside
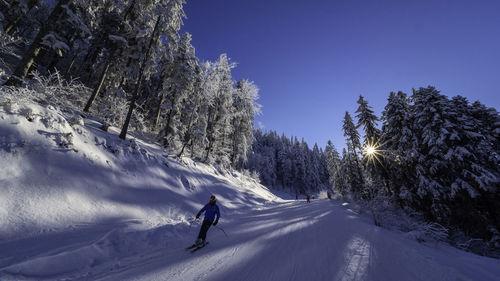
{"x":78,"y":203}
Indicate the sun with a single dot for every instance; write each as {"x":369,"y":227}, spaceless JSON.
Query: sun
{"x":372,"y":153}
{"x":370,"y":150}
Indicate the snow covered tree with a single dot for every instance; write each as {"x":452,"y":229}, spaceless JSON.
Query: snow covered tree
{"x":190,"y":115}
{"x":291,"y":162}
{"x":245,"y":108}
{"x":178,"y":84}
{"x":108,"y":44}
{"x":350,"y":132}
{"x":220,"y":93}
{"x":367,"y":120}
{"x":284,"y":162}
{"x":431,"y":127}
{"x":396,"y":141}
{"x":313,"y":169}
{"x":29,"y":57}
{"x":299,"y":165}
{"x":333,"y":165}
{"x":473,"y":180}
{"x":373,"y":166}
{"x":168,"y":14}
{"x":14,"y":12}
{"x":353,"y":165}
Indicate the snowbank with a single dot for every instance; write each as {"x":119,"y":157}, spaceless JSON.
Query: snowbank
{"x":59,"y":170}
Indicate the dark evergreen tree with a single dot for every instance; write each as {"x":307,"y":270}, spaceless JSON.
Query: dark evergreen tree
{"x":396,"y":141}
{"x":31,"y":54}
{"x":334,"y":168}
{"x":353,"y":164}
{"x":368,"y":121}
{"x":373,"y":165}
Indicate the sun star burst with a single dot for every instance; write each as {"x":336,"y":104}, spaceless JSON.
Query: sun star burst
{"x":372,"y":152}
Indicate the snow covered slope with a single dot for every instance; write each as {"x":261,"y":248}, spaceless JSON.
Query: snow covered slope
{"x":62,"y":178}
{"x":78,"y":203}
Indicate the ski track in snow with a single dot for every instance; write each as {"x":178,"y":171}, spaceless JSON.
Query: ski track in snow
{"x":296,"y":241}
{"x":284,"y":241}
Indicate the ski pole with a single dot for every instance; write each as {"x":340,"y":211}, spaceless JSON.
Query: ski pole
{"x":222,"y":230}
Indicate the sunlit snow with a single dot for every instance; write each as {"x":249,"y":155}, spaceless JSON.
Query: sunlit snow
{"x":78,"y":203}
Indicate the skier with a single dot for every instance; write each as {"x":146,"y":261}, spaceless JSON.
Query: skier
{"x":211,"y":210}
{"x":307,"y":198}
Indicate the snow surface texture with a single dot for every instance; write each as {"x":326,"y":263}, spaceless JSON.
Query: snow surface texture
{"x":78,"y":203}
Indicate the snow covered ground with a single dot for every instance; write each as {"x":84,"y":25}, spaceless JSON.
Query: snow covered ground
{"x":78,"y":203}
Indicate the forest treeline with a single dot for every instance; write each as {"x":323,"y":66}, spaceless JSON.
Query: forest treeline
{"x":433,"y":155}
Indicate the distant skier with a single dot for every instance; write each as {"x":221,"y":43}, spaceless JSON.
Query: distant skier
{"x":211,"y":210}
{"x":329,"y":195}
{"x":307,"y":198}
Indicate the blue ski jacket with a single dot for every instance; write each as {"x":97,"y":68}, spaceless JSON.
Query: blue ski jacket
{"x":210,"y":212}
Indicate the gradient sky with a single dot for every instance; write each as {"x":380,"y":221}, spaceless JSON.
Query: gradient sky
{"x":313,"y":58}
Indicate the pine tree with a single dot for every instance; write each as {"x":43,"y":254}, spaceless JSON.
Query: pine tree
{"x":29,"y":57}
{"x":169,"y":14}
{"x":15,"y":12}
{"x":373,"y":165}
{"x":180,"y":79}
{"x":473,"y":180}
{"x":350,"y":132}
{"x":367,"y":120}
{"x":333,"y":165}
{"x":284,"y":162}
{"x":219,"y":91}
{"x":190,"y":115}
{"x":396,"y":140}
{"x":433,"y":172}
{"x":245,"y":108}
{"x":356,"y":180}
{"x":111,"y":41}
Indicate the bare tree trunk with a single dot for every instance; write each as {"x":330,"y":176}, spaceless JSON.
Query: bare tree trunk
{"x":73,"y":59}
{"x":158,"y":112}
{"x":209,"y":131}
{"x":97,"y":88}
{"x":235,"y":148}
{"x":186,"y":138}
{"x":169,"y":119}
{"x":123,"y":133}
{"x":29,"y":57}
{"x":10,"y":28}
{"x":182,"y":150}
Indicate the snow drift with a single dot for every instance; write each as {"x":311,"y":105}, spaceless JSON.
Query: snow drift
{"x":62,"y":174}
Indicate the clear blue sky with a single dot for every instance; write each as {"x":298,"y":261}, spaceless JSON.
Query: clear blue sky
{"x":312,"y":59}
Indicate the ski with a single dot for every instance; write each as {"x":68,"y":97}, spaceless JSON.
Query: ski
{"x":198,"y":247}
{"x":191,"y":247}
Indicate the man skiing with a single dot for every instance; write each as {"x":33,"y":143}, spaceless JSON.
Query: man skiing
{"x":211,"y":210}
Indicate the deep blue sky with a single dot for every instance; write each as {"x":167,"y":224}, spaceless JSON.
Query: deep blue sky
{"x":313,"y":58}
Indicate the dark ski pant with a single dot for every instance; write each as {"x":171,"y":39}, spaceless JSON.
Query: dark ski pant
{"x":204,"y":228}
